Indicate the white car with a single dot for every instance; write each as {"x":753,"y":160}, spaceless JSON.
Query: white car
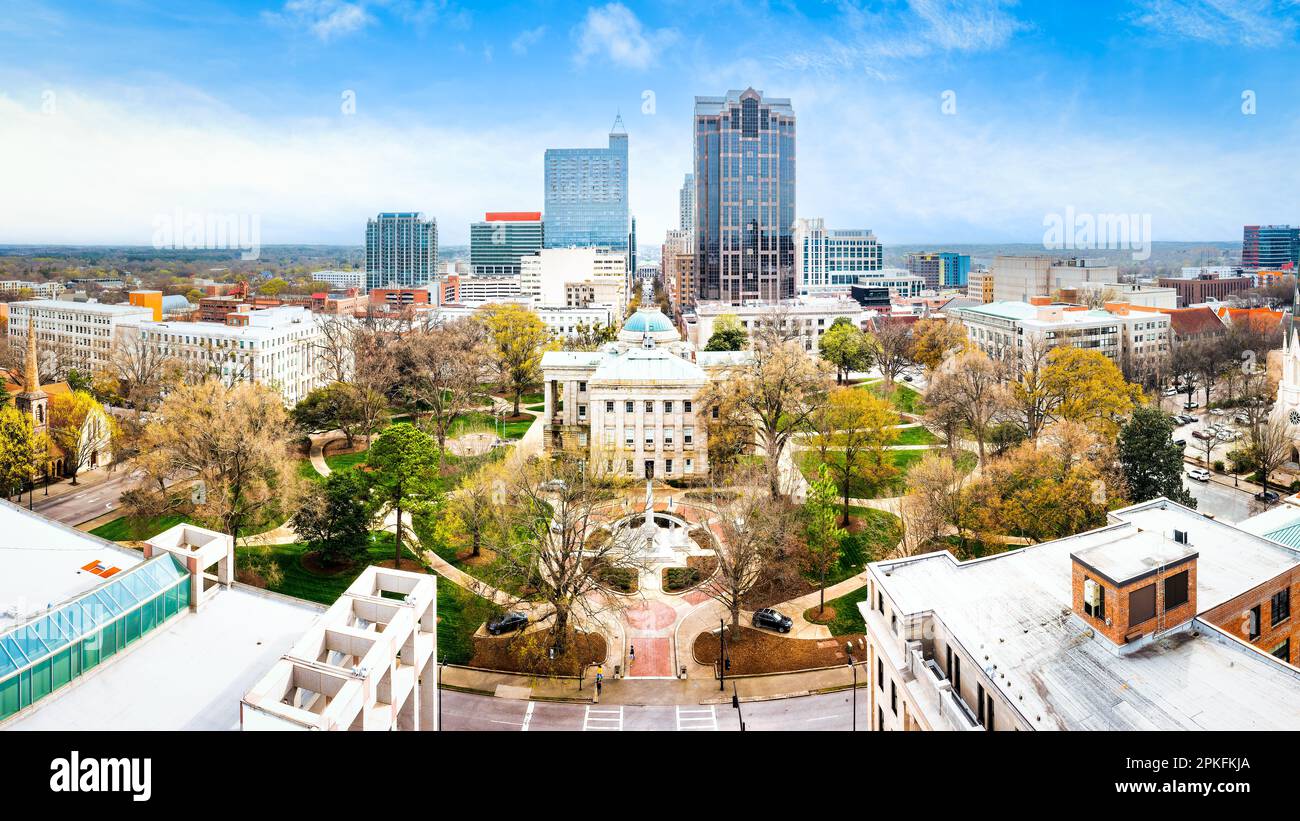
{"x":1199,"y":474}
{"x":1169,"y":392}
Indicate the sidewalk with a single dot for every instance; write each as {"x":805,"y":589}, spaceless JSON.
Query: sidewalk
{"x":642,"y":691}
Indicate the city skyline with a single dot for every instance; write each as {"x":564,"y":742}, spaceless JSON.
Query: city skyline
{"x":1044,"y":112}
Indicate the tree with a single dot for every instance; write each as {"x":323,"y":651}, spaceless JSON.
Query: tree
{"x":851,"y":430}
{"x":824,"y":535}
{"x":972,"y":383}
{"x":1152,"y":463}
{"x":555,"y":540}
{"x":936,"y":502}
{"x":846,"y":347}
{"x":1030,"y":401}
{"x":234,"y":440}
{"x":517,"y":337}
{"x":79,"y":427}
{"x":748,"y":533}
{"x":337,"y":405}
{"x":935,"y":340}
{"x":892,"y":347}
{"x":730,"y":434}
{"x":272,"y":287}
{"x":1087,"y":387}
{"x":1270,"y":446}
{"x":22,"y":450}
{"x":441,"y":368}
{"x":402,"y":472}
{"x":334,"y":518}
{"x":777,"y":390}
{"x":728,"y":334}
{"x":471,"y":513}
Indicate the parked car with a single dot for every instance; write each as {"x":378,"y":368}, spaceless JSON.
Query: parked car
{"x":1187,"y":418}
{"x":1182,"y":443}
{"x":1203,"y":434}
{"x":514,"y":620}
{"x":769,"y":618}
{"x":1241,"y":419}
{"x":1199,"y":474}
{"x":1191,"y":405}
{"x":1268,"y":497}
{"x":1170,"y":392}
{"x":1228,"y":436}
{"x":907,"y":377}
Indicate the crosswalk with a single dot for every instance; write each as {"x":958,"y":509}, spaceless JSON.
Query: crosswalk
{"x":697,"y":718}
{"x":603,"y":718}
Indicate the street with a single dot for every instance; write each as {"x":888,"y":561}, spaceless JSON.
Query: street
{"x":1225,"y":503}
{"x":826,"y":711}
{"x":73,"y":508}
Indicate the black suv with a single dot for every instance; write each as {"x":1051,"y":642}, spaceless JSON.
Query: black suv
{"x":1268,"y":497}
{"x":769,"y":618}
{"x":514,"y":620}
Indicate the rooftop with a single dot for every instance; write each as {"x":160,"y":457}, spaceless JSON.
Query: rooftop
{"x":123,"y":309}
{"x":1013,"y":610}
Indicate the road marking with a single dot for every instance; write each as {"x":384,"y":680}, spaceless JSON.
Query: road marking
{"x":528,"y":716}
{"x":598,"y":718}
{"x":823,"y":718}
{"x":697,"y":718}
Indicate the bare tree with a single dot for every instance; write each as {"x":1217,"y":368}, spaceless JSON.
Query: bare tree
{"x":749,"y":530}
{"x":335,"y":348}
{"x":973,"y":382}
{"x":894,"y":348}
{"x":440,"y":372}
{"x":1270,"y":446}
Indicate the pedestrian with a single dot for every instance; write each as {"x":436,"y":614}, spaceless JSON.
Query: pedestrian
{"x":598,"y":681}
{"x":631,"y":654}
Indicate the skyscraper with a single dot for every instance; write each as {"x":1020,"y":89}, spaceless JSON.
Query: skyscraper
{"x":401,"y":249}
{"x":744,"y":197}
{"x":944,"y":269}
{"x":497,"y":243}
{"x":1270,"y":248}
{"x":586,"y":194}
{"x":830,"y":259}
{"x":687,"y":204}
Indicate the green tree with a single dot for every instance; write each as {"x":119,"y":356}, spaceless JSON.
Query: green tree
{"x":337,"y":405}
{"x":20,"y":449}
{"x":823,"y":533}
{"x":334,"y":518}
{"x":845,"y":346}
{"x":1152,"y":463}
{"x":728,"y":335}
{"x":517,"y":338}
{"x":403,"y":473}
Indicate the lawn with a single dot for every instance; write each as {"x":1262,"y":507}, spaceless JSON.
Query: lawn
{"x":873,"y":534}
{"x":343,"y":461}
{"x":129,"y":529}
{"x":477,"y":421}
{"x":916,"y":436}
{"x":906,"y":399}
{"x":902,"y":460}
{"x":848,"y":621}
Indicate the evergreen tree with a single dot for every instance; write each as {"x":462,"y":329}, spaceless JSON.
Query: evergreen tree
{"x":1153,"y":464}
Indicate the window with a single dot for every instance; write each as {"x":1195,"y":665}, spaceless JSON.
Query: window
{"x":609,"y":406}
{"x":628,"y":407}
{"x":880,"y":673}
{"x":979,"y":699}
{"x":668,"y":406}
{"x":582,"y":387}
{"x":629,"y":437}
{"x":893,"y":697}
{"x":668,"y":466}
{"x":629,"y":465}
{"x":1252,"y":625}
{"x":690,"y":466}
{"x":1283,"y":651}
{"x":1142,"y":605}
{"x":686,"y":406}
{"x":582,"y":411}
{"x":650,"y":437}
{"x":1281,"y":606}
{"x":688,"y":435}
{"x":1175,"y":591}
{"x":649,"y":406}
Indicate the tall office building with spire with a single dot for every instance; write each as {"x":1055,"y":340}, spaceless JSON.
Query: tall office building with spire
{"x":586,"y":194}
{"x":744,"y":197}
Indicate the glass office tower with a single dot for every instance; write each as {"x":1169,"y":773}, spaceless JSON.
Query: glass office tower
{"x":744,"y":197}
{"x":586,"y":194}
{"x":498,"y":243}
{"x":401,"y":249}
{"x":1270,"y":248}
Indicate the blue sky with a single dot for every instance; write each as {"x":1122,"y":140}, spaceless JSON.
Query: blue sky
{"x":112,"y":113}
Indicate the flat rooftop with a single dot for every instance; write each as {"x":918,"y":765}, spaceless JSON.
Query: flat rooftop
{"x":1013,"y":611}
{"x":1134,"y":553}
{"x":189,"y":674}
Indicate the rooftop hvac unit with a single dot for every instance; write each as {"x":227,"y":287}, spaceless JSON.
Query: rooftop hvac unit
{"x":1091,"y":593}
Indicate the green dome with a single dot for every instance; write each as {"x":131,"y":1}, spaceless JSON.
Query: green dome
{"x":648,"y":320}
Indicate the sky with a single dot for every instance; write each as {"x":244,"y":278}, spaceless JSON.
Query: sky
{"x":928,"y":121}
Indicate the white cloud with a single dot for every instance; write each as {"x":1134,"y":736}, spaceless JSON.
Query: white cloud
{"x":324,"y":19}
{"x":527,"y":39}
{"x":614,"y":33}
{"x":1251,"y":23}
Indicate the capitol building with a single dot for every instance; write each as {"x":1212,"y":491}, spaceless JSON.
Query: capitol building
{"x":631,"y":408}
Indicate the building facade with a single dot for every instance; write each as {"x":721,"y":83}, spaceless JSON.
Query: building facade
{"x":79,"y":334}
{"x":341,"y":280}
{"x":576,"y":277}
{"x":498,"y":242}
{"x":832,"y":259}
{"x":1204,"y":287}
{"x":686,"y":204}
{"x":401,"y":249}
{"x":586,"y":195}
{"x":1270,"y":247}
{"x":944,"y":269}
{"x":1019,"y":278}
{"x":805,"y":320}
{"x":744,"y":197}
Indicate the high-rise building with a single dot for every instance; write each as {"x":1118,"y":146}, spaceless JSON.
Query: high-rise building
{"x":744,"y":197}
{"x":940,"y":270}
{"x":832,"y":259}
{"x":631,"y":250}
{"x":586,"y":194}
{"x":1270,"y":248}
{"x":687,"y":203}
{"x":498,"y":242}
{"x":1019,"y":278}
{"x":401,"y":249}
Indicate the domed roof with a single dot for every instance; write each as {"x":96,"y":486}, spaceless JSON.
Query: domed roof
{"x":649,"y":321}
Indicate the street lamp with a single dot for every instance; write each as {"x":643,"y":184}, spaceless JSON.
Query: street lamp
{"x":722,"y":655}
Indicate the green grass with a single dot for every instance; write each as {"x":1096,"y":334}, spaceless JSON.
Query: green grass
{"x":477,"y":421}
{"x":848,"y":620}
{"x":905,"y":399}
{"x":916,"y":436}
{"x":879,"y":534}
{"x":538,"y":408}
{"x":128,"y":529}
{"x":903,"y":460}
{"x":343,"y":461}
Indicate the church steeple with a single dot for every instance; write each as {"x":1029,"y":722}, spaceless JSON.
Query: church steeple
{"x":32,"y":400}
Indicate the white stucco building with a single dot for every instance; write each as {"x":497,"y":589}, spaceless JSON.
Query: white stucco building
{"x":275,"y":347}
{"x":576,"y":277}
{"x":803,"y":319}
{"x":79,"y":333}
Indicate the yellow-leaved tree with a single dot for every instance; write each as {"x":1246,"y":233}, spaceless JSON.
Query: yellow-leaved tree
{"x":82,"y":430}
{"x":517,"y":338}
